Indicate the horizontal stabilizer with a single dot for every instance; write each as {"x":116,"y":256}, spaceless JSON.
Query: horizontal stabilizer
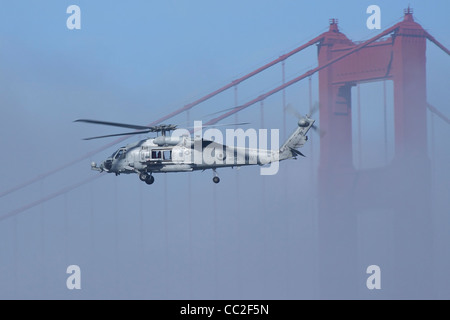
{"x":298,"y":153}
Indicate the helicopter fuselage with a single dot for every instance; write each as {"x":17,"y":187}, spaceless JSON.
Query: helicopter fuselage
{"x":182,"y":153}
{"x":186,"y":155}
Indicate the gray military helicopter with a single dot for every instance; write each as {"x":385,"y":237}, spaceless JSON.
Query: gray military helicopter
{"x":182,"y":153}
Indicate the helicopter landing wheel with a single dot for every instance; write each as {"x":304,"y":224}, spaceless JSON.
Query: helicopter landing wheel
{"x":216,"y":179}
{"x":150,"y":180}
{"x":143,"y":176}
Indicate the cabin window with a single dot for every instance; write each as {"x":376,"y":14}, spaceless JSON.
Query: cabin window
{"x":167,"y":155}
{"x":156,"y":154}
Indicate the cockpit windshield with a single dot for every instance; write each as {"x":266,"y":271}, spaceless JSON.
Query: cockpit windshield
{"x":119,"y":153}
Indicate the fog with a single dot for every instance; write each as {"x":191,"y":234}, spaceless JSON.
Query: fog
{"x":184,"y":237}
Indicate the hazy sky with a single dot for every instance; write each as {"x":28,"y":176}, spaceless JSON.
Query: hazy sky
{"x":183,"y":237}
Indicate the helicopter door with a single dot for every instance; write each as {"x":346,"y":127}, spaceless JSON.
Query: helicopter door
{"x":181,"y":155}
{"x":145,"y":154}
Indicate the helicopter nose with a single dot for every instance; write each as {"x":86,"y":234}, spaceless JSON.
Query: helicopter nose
{"x":107,"y":164}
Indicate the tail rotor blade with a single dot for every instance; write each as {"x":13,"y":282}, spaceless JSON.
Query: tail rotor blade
{"x":314,"y":109}
{"x":292,"y":111}
{"x":319,"y":131}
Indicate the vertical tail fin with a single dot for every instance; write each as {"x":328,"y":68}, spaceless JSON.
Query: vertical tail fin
{"x":296,"y":140}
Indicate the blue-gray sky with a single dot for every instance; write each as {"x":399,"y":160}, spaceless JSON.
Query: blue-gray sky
{"x":183,"y":237}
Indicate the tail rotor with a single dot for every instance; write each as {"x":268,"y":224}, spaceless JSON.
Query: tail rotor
{"x":302,"y":118}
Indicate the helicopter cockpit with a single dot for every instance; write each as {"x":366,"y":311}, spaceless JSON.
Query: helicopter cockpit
{"x":117,"y":155}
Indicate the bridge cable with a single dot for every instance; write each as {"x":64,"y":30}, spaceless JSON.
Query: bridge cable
{"x":358,"y":99}
{"x":49,"y":197}
{"x":189,"y":217}
{"x":438,"y":113}
{"x":385,"y":123}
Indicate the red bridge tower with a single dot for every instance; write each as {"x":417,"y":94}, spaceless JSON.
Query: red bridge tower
{"x":403,"y":186}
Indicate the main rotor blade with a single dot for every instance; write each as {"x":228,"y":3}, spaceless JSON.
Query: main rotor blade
{"x":120,"y":134}
{"x":226,"y":124}
{"x":221,"y":111}
{"x":220,"y":125}
{"x":114,"y":124}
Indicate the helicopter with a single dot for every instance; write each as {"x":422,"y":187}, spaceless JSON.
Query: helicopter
{"x":183,"y":153}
